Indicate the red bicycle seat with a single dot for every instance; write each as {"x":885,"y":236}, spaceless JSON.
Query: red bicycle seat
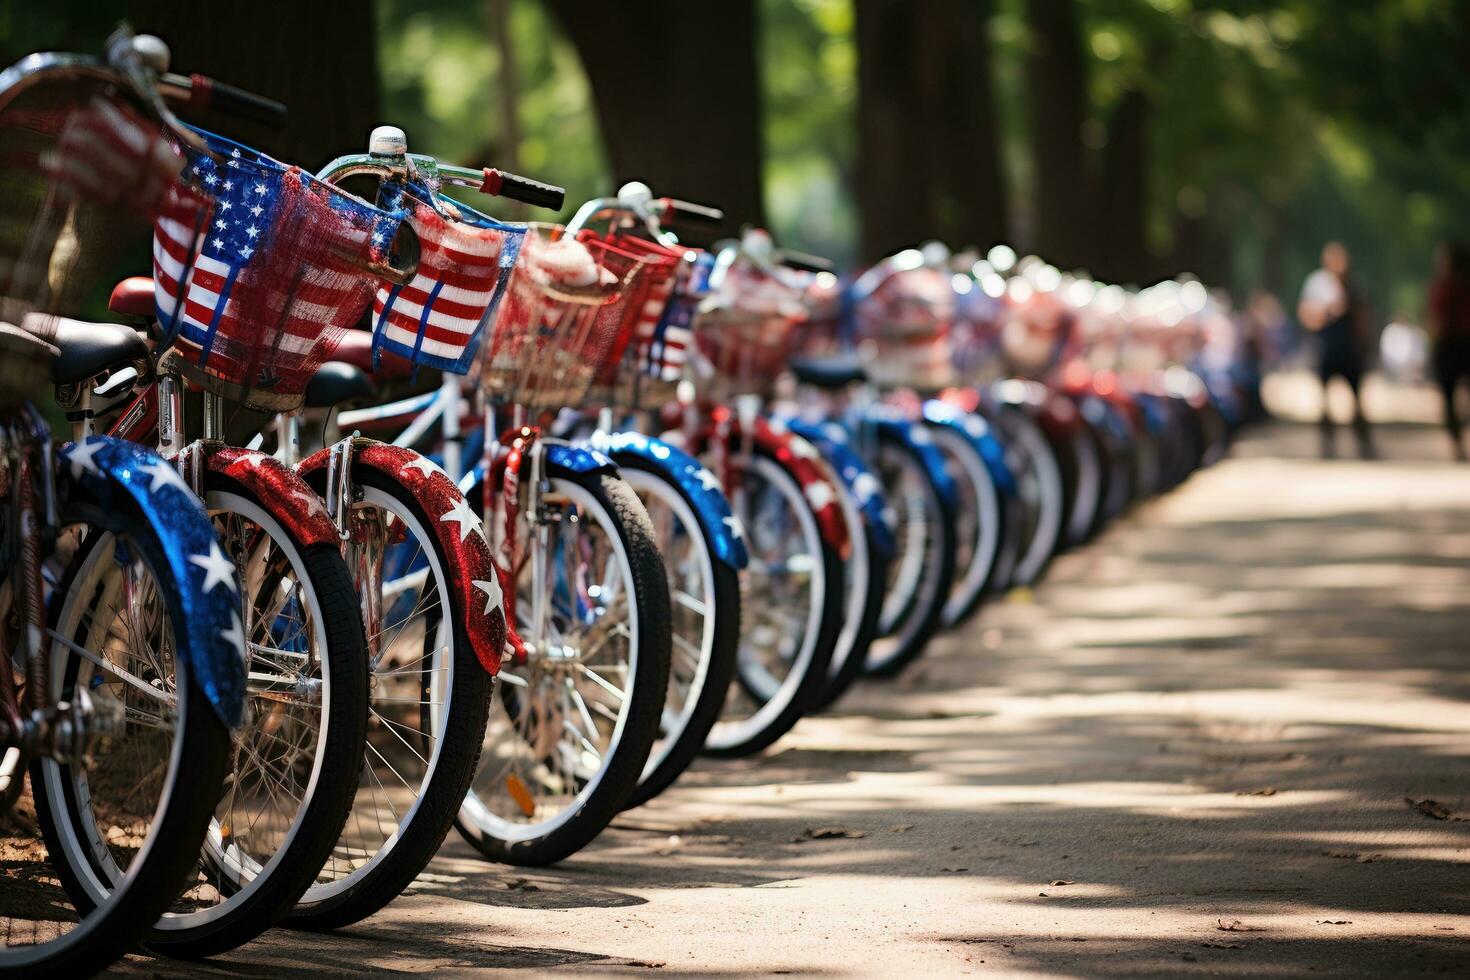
{"x":133,"y":297}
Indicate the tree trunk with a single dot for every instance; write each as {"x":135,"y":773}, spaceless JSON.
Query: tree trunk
{"x":678,"y":98}
{"x":896,"y":168}
{"x":971,"y":210}
{"x":1122,"y":204}
{"x":319,"y":58}
{"x":1056,"y":78}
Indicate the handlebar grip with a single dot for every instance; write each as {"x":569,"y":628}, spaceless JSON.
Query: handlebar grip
{"x":688,"y":211}
{"x":208,"y":93}
{"x":523,"y":189}
{"x":804,"y":261}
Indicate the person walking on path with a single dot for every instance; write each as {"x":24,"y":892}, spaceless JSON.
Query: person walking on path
{"x":1449,"y":324}
{"x":1332,"y":310}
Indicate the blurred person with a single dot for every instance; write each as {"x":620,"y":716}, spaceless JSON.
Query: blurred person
{"x":1448,"y":321}
{"x":1333,"y":310}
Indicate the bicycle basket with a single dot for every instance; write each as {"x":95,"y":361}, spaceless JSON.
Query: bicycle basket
{"x":255,"y":300}
{"x":82,"y":171}
{"x":750,"y":324}
{"x":465,"y":259}
{"x":564,"y":310}
{"x":645,"y":309}
{"x":904,"y":329}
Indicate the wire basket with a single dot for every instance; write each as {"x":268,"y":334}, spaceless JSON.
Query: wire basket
{"x":648,"y":361}
{"x":438,"y":319}
{"x":748,"y":326}
{"x":83,"y":168}
{"x":904,"y":330}
{"x":258,"y":297}
{"x":565,"y":309}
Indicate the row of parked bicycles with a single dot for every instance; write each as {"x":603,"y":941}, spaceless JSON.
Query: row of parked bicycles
{"x":382,"y":517}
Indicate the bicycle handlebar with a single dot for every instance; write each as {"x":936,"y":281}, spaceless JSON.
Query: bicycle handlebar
{"x":518,"y":188}
{"x":200,"y":92}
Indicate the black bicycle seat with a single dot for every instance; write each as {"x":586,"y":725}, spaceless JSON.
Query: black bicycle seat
{"x":836,"y":371}
{"x":336,"y":382}
{"x":89,"y":349}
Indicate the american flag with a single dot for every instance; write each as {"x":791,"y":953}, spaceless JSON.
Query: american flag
{"x":277,"y":273}
{"x":667,"y":342}
{"x":437,"y":318}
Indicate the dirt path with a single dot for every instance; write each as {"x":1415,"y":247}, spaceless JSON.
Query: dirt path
{"x":1190,"y":751}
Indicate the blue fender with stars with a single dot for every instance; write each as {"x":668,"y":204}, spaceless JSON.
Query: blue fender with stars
{"x":720,"y":526}
{"x":917,"y":437}
{"x":867,"y":490}
{"x":978,"y":433}
{"x":577,"y":459}
{"x":206,"y":600}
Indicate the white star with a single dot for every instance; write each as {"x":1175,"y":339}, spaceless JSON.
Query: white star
{"x":424,"y":465}
{"x":260,"y":188}
{"x":217,"y":568}
{"x":491,"y":589}
{"x":235,"y":635}
{"x":804,"y":449}
{"x":229,"y":186}
{"x":164,"y":475}
{"x":468,"y":520}
{"x":222,"y":224}
{"x":211,"y":179}
{"x":819,"y":494}
{"x":312,"y":501}
{"x":835,"y":432}
{"x":246,"y":251}
{"x":253,"y":460}
{"x":252,"y":231}
{"x":707,"y":478}
{"x":737,"y":530}
{"x":377,"y":238}
{"x":865,"y":486}
{"x":975,"y":426}
{"x":219,"y":243}
{"x":257,"y":210}
{"x":919,"y":436}
{"x":80,"y":457}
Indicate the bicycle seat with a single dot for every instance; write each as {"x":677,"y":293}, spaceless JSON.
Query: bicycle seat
{"x":837,"y":371}
{"x":88,"y":349}
{"x":356,"y":348}
{"x":133,"y":297}
{"x":336,"y":382}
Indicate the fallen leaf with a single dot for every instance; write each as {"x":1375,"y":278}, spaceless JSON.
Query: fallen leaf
{"x":1334,"y":922}
{"x":1433,"y":809}
{"x":956,"y":869}
{"x":1062,"y":881}
{"x":828,"y":833}
{"x":900,"y":828}
{"x":1368,"y":858}
{"x":1042,"y":895}
{"x":1267,"y":791}
{"x":1222,"y":945}
{"x":522,"y":885}
{"x":1234,"y":925}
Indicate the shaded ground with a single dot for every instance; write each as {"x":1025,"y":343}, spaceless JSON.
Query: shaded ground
{"x":1203,"y":746}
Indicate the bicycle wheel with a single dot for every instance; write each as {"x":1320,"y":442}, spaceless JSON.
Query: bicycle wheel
{"x":1085,"y":454}
{"x":295,"y":759}
{"x":428,"y":703}
{"x":570,"y":734}
{"x":122,"y":824}
{"x":704,"y":595}
{"x":923,"y":566}
{"x":864,"y":578}
{"x":792,"y":600}
{"x":1039,"y":488}
{"x":978,"y":524}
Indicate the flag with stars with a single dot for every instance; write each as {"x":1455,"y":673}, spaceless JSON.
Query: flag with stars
{"x":438,"y":318}
{"x":265,"y":287}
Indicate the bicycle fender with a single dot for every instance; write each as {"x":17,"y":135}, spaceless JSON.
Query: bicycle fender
{"x":293,"y":503}
{"x":456,"y":525}
{"x":915,"y":436}
{"x":978,"y":433}
{"x":865,"y":487}
{"x":803,"y":460}
{"x":577,"y":459}
{"x":113,"y":472}
{"x":719,"y":524}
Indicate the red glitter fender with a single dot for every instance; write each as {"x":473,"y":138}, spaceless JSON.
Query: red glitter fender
{"x":456,"y":525}
{"x":285,"y":495}
{"x":803,"y":461}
